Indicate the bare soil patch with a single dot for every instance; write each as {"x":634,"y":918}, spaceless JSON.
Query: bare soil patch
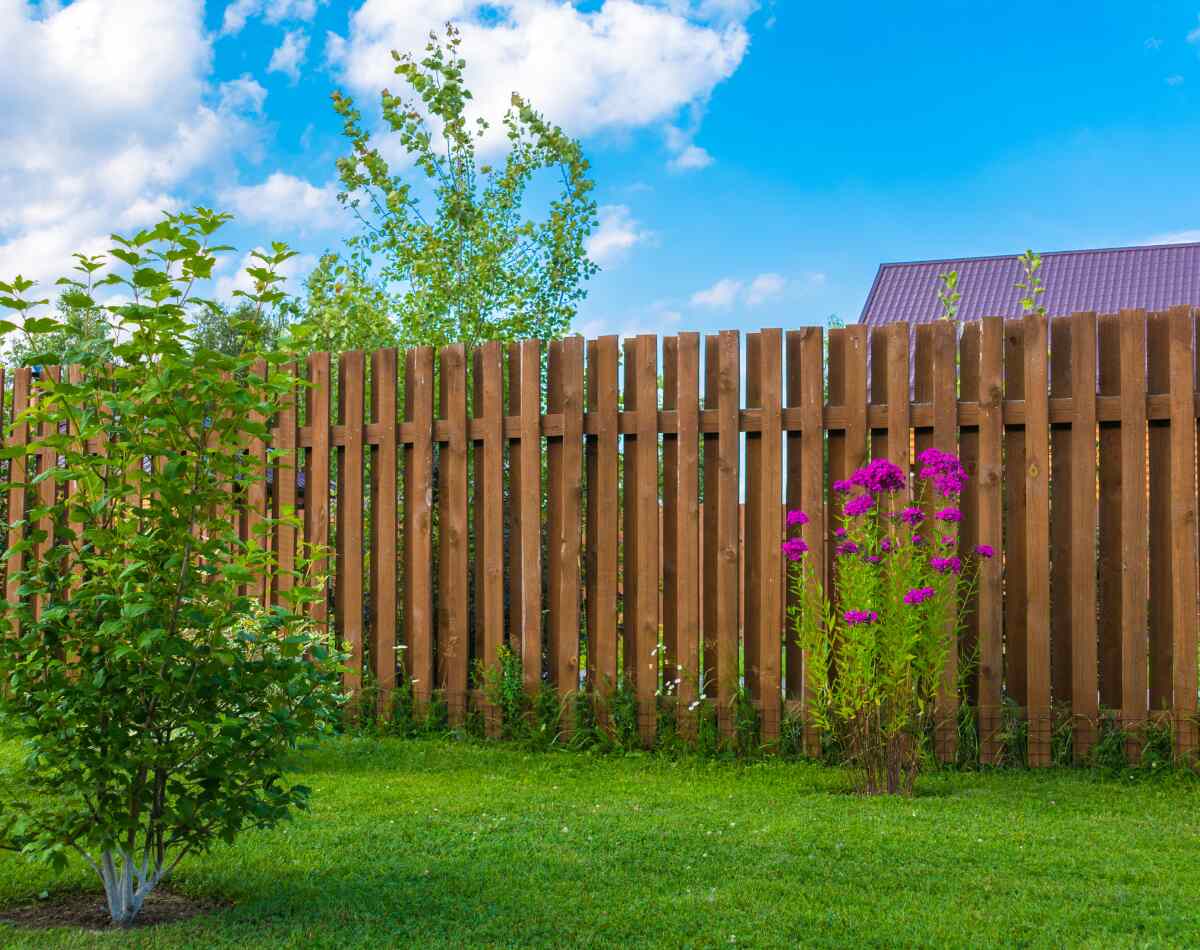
{"x":88,"y":911}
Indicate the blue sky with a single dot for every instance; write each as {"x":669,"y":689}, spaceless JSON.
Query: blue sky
{"x":755,"y":161}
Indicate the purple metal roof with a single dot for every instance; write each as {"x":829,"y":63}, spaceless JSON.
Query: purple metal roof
{"x":1154,"y":278}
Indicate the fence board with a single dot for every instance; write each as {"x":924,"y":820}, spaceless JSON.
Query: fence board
{"x":1015,"y":553}
{"x":1061,"y":478}
{"x":316,"y":477}
{"x":770,"y":533}
{"x":527,"y":595}
{"x":285,"y":474}
{"x":991,"y":532}
{"x":1183,"y":529}
{"x":1134,"y":589}
{"x":18,"y":473}
{"x":1110,"y":550}
{"x":489,"y":512}
{"x":256,"y":492}
{"x":383,"y":528}
{"x":751,"y":522}
{"x":945,"y":439}
{"x":1037,"y":502}
{"x":1158,"y":443}
{"x":794,"y":663}
{"x":1082,"y":552}
{"x":603,"y":519}
{"x":899,"y":430}
{"x":670,"y":519}
{"x":418,"y":524}
{"x":812,"y":449}
{"x":686,"y":489}
{"x":348,"y":597}
{"x":564,"y":557}
{"x":968,"y":533}
{"x":644,"y":541}
{"x":453,"y":631}
{"x":725,"y":576}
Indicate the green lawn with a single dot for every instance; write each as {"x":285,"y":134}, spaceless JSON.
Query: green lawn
{"x":434,"y":844}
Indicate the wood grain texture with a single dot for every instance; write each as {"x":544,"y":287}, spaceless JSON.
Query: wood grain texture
{"x":991,"y":533}
{"x":384,"y":613}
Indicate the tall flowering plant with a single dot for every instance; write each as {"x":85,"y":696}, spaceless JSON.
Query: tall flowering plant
{"x":877,"y":654}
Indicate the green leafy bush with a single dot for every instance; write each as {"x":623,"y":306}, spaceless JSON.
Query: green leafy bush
{"x":155,"y":696}
{"x":877,"y":657}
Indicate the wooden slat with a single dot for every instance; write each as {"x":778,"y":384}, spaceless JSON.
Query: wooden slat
{"x":991,"y":532}
{"x":349,"y":592}
{"x":856,"y":397}
{"x":670,"y":521}
{"x":18,"y":476}
{"x":603,"y":520}
{"x":686,"y":489}
{"x":1037,"y":538}
{"x":566,"y":396}
{"x":945,"y":439}
{"x":489,"y":512}
{"x":835,"y":449}
{"x":1082,"y":550}
{"x":256,"y":492}
{"x":898,"y":397}
{"x":968,"y":533}
{"x":1158,"y":444}
{"x":770,"y":533}
{"x":286,"y":468}
{"x":1061,"y":480}
{"x":383,"y":528}
{"x":1111,"y":550}
{"x":643,"y":600}
{"x":316,"y":477}
{"x":418,"y":525}
{"x":793,"y":658}
{"x":1015,"y":552}
{"x":751,"y":520}
{"x":812,"y":478}
{"x":529,"y":504}
{"x":453,"y":628}
{"x":1183,"y":530}
{"x":1134,"y":589}
{"x":877,"y":412}
{"x":724,"y":575}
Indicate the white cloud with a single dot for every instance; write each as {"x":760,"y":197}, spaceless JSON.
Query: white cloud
{"x":1153,"y":43}
{"x":289,"y":55}
{"x":1175,"y":237}
{"x":764,"y":287}
{"x":1175,"y":80}
{"x":285,"y":202}
{"x":625,"y":64}
{"x":294,"y":270}
{"x":1194,"y":36}
{"x":617,"y":234}
{"x":720,"y":296}
{"x":691,"y":158}
{"x":239,"y":12}
{"x":109,"y":112}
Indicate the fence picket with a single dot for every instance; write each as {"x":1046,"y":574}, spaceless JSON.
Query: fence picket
{"x":453,"y":628}
{"x":383,"y":527}
{"x":991,"y":532}
{"x":348,"y":596}
{"x":1110,"y":551}
{"x":489,"y":513}
{"x":418,"y":524}
{"x":603,"y":519}
{"x":1037,"y":539}
{"x":945,"y":439}
{"x":316,"y":477}
{"x":1082,"y":575}
{"x":1159,"y":505}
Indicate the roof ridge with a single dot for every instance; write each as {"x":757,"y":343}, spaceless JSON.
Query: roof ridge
{"x":1043,"y":254}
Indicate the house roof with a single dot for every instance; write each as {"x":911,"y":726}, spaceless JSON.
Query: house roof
{"x":1106,"y":280}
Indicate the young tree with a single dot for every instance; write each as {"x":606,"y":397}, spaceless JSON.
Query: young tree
{"x":242,"y":328}
{"x":155,"y":697}
{"x":449,"y":252}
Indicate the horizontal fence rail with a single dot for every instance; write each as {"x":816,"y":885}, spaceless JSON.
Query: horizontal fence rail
{"x":612,"y":513}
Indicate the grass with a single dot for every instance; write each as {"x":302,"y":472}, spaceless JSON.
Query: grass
{"x":432,"y":843}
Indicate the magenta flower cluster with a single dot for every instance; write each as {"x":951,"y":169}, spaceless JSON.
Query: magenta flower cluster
{"x":795,"y":548}
{"x":796,"y":518}
{"x":949,"y":514}
{"x":918,"y":595}
{"x":985,"y":550}
{"x":843,"y":486}
{"x":859,"y":505}
{"x":944,"y":470}
{"x":946,"y":565}
{"x":912,"y":515}
{"x":846,"y":547}
{"x":879,"y":476}
{"x":856,"y":617}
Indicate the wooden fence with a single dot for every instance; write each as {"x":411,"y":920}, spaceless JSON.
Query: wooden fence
{"x":618,"y":517}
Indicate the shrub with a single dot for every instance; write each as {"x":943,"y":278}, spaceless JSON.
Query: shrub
{"x":155,"y":696}
{"x":877,"y":657}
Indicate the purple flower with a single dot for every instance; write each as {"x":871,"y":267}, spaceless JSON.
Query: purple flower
{"x":856,"y":617}
{"x":859,"y":505}
{"x":885,"y":545}
{"x":948,"y":540}
{"x":846,"y":547}
{"x":918,"y":540}
{"x":946,"y":565}
{"x":949,"y":514}
{"x":985,"y":550}
{"x":918,"y":595}
{"x":843,"y":486}
{"x":795,"y":518}
{"x":839,"y":532}
{"x":912,"y":515}
{"x":948,"y":475}
{"x":873,"y":559}
{"x":794,"y":548}
{"x":880,"y":476}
